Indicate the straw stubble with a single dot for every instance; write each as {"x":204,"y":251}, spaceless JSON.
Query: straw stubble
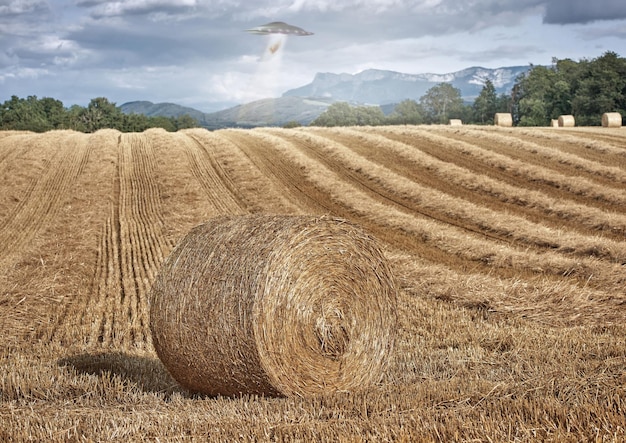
{"x":274,"y":305}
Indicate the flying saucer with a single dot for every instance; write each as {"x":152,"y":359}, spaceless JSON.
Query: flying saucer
{"x":278,"y":28}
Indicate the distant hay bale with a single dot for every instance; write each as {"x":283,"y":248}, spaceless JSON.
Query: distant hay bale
{"x":567,"y":121}
{"x":274,"y":305}
{"x":612,"y":120}
{"x":554,"y":123}
{"x":456,"y":122}
{"x":503,"y":119}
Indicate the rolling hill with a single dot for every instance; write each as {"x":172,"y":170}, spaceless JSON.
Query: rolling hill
{"x":304,"y":104}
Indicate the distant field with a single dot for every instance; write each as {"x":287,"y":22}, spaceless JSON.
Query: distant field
{"x":509,"y":246}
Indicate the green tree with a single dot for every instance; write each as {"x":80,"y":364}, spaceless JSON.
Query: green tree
{"x":159,"y":121}
{"x":504,"y":103}
{"x":369,"y":115}
{"x":586,"y":89}
{"x":485,"y":105}
{"x":532,"y":96}
{"x":601,"y":88}
{"x":135,"y":123}
{"x":24,"y":114}
{"x":74,"y":118}
{"x":407,"y":112}
{"x":292,"y":124}
{"x":185,"y":121}
{"x":101,"y":113}
{"x":337,"y":114}
{"x":54,"y":112}
{"x":441,"y":103}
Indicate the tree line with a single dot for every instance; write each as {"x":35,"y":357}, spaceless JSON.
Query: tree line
{"x":45,"y":114}
{"x":440,"y":104}
{"x":585,"y":89}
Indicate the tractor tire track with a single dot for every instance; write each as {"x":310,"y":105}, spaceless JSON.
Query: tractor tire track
{"x":394,"y":189}
{"x":513,"y":172}
{"x":452,"y":240}
{"x":211,"y":176}
{"x":88,"y":318}
{"x":45,"y":197}
{"x":142,"y":245}
{"x":292,"y":179}
{"x":609,"y":151}
{"x":130,"y":251}
{"x":300,"y":183}
{"x":521,"y":149}
{"x":480,"y":190}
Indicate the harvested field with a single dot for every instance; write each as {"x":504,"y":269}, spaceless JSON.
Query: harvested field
{"x":508,"y":246}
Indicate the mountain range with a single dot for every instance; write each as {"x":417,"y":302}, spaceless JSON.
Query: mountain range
{"x":369,"y":87}
{"x":265,"y":112}
{"x":377,"y":87}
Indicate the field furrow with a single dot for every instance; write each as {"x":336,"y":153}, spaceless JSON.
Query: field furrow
{"x":530,"y":152}
{"x":431,"y":237}
{"x":98,"y":318}
{"x":438,"y":242}
{"x":43,"y":199}
{"x":514,"y":172}
{"x":211,"y":177}
{"x":142,"y":243}
{"x":305,"y":183}
{"x":604,"y":140}
{"x":291,"y":179}
{"x":87,"y":314}
{"x":459,"y":197}
{"x":482,"y":190}
{"x":24,"y":160}
{"x":594,"y":146}
{"x":508,"y":248}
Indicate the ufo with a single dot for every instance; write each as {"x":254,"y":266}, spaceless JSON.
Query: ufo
{"x":278,"y":28}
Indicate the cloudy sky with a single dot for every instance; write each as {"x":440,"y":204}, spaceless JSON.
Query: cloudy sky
{"x":196,"y":53}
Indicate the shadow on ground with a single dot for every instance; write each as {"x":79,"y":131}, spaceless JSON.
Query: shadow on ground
{"x":148,"y":373}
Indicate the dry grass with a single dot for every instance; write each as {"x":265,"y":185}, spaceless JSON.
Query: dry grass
{"x":506,"y":243}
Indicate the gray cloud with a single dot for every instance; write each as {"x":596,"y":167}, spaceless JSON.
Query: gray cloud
{"x":595,"y":32}
{"x":153,"y":8}
{"x":186,"y":50}
{"x":13,"y":8}
{"x":583,"y":11}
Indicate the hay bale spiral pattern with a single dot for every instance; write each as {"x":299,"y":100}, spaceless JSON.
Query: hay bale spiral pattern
{"x":274,"y":305}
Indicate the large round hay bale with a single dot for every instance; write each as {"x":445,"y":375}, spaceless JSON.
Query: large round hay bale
{"x":612,"y":120}
{"x":456,"y":122}
{"x":504,"y":119}
{"x":567,"y":121}
{"x":554,"y":123}
{"x":274,"y":305}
